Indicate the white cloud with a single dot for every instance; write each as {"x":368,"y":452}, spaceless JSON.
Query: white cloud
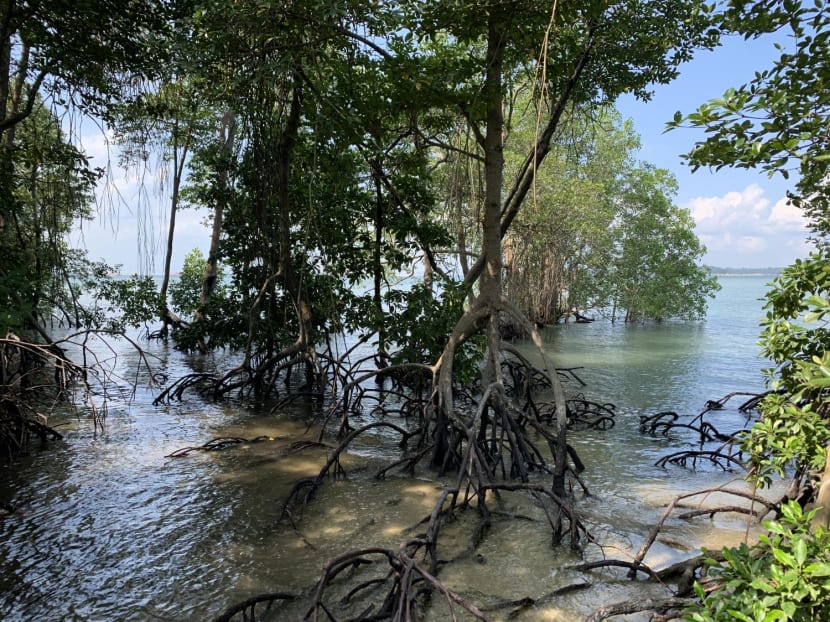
{"x":787,"y":216}
{"x":746,"y":229}
{"x":734,"y":243}
{"x":734,"y":209}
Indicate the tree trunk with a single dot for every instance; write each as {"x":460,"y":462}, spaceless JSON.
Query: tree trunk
{"x":179,"y":157}
{"x":227,"y":131}
{"x":822,"y":517}
{"x":289,"y":278}
{"x":493,"y":161}
{"x":377,"y":267}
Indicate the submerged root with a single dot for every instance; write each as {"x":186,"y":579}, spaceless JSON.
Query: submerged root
{"x":656,"y":605}
{"x":254,"y":607}
{"x":403,"y":592}
{"x":303,"y":491}
{"x":519,"y":606}
{"x":217,"y":444}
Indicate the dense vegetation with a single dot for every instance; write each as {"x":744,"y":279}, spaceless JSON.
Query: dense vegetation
{"x":776,"y":124}
{"x":339,"y":144}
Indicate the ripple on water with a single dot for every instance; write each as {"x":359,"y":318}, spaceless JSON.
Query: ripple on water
{"x":111,"y":529}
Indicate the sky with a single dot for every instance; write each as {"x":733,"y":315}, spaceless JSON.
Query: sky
{"x":742,"y":216}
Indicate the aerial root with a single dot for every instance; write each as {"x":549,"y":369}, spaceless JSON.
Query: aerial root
{"x":406,"y":586}
{"x":177,"y":389}
{"x":521,"y":375}
{"x":684,"y":458}
{"x":751,"y":404}
{"x":585,"y":414}
{"x":257,"y":375}
{"x":726,"y":456}
{"x":217,"y":444}
{"x":666,"y":422}
{"x":19,"y":423}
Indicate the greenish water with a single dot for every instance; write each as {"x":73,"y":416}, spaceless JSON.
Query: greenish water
{"x":109,"y":528}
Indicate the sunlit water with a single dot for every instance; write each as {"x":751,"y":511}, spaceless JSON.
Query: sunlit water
{"x":109,"y":528}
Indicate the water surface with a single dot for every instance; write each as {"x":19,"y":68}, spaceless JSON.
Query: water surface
{"x":109,"y":528}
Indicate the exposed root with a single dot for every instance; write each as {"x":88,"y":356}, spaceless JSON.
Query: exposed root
{"x":655,"y":530}
{"x":403,"y":592}
{"x":691,"y":458}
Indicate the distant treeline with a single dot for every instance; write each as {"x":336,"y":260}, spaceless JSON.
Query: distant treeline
{"x":745,"y":271}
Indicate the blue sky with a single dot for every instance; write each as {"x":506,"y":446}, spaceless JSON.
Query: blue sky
{"x":742,"y":216}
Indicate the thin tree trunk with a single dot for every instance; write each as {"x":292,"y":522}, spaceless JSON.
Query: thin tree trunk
{"x":493,"y":161}
{"x":179,"y":158}
{"x":377,"y":267}
{"x":289,"y":277}
{"x":227,"y":132}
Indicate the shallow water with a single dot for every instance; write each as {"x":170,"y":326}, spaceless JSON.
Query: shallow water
{"x":110,"y":528}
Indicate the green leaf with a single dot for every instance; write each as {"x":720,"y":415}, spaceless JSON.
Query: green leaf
{"x":800,"y":552}
{"x":817,"y":570}
{"x":784,"y":558}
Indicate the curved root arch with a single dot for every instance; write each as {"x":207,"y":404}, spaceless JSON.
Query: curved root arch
{"x":448,"y":427}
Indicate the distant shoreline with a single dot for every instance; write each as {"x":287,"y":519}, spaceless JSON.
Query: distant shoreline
{"x":770,"y":272}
